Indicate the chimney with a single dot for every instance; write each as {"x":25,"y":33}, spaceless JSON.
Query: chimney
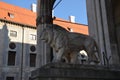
{"x":53,"y":13}
{"x":72,"y":19}
{"x":34,"y":7}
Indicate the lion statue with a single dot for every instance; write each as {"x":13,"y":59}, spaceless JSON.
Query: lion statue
{"x":66,"y":45}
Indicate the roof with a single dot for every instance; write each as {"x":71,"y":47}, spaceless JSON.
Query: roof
{"x":79,"y":28}
{"x":21,"y":15}
{"x":27,"y":17}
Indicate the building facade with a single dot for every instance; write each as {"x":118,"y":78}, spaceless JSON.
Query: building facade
{"x":18,"y":56}
{"x":18,"y":51}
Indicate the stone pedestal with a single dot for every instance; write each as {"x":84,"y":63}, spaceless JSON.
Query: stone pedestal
{"x":61,"y":71}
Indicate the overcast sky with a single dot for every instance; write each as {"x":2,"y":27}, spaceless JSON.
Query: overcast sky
{"x":66,"y":8}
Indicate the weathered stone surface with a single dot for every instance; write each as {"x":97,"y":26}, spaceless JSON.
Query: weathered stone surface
{"x":61,"y":71}
{"x":44,"y":16}
{"x":68,"y":44}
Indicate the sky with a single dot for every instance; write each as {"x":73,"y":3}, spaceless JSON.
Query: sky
{"x":65,"y":8}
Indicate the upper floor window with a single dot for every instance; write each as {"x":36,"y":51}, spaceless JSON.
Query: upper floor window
{"x":33,"y":37}
{"x":13,"y":33}
{"x":70,"y":29}
{"x":11,"y":15}
{"x":12,"y":45}
{"x":32,"y":48}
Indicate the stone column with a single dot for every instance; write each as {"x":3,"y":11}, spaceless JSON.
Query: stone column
{"x":44,"y":18}
{"x":98,"y":28}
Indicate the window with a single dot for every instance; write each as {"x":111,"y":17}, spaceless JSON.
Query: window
{"x":33,"y":37}
{"x":11,"y":58}
{"x":9,"y":78}
{"x":11,"y":15}
{"x":13,"y":33}
{"x":12,"y":45}
{"x":32,"y":48}
{"x":70,"y":29}
{"x":30,"y":78}
{"x":32,"y":60}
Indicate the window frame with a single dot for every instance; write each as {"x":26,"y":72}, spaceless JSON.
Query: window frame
{"x":13,"y":33}
{"x":11,"y":58}
{"x":33,"y":37}
{"x":8,"y":78}
{"x":32,"y":62}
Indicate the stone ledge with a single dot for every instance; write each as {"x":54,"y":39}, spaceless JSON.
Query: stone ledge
{"x":76,"y":71}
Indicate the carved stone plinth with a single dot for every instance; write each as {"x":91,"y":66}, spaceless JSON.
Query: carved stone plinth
{"x":61,"y":71}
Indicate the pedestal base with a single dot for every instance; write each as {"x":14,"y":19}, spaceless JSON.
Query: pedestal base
{"x":62,"y":71}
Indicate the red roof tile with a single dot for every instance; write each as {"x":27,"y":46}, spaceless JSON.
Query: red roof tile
{"x":21,"y":15}
{"x":79,"y":28}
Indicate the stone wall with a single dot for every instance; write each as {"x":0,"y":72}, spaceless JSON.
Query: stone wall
{"x":102,"y":28}
{"x":23,"y":42}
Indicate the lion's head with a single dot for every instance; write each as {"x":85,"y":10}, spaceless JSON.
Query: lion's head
{"x":46,"y":34}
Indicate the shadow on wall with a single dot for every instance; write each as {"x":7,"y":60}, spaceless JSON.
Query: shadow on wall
{"x":16,"y":58}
